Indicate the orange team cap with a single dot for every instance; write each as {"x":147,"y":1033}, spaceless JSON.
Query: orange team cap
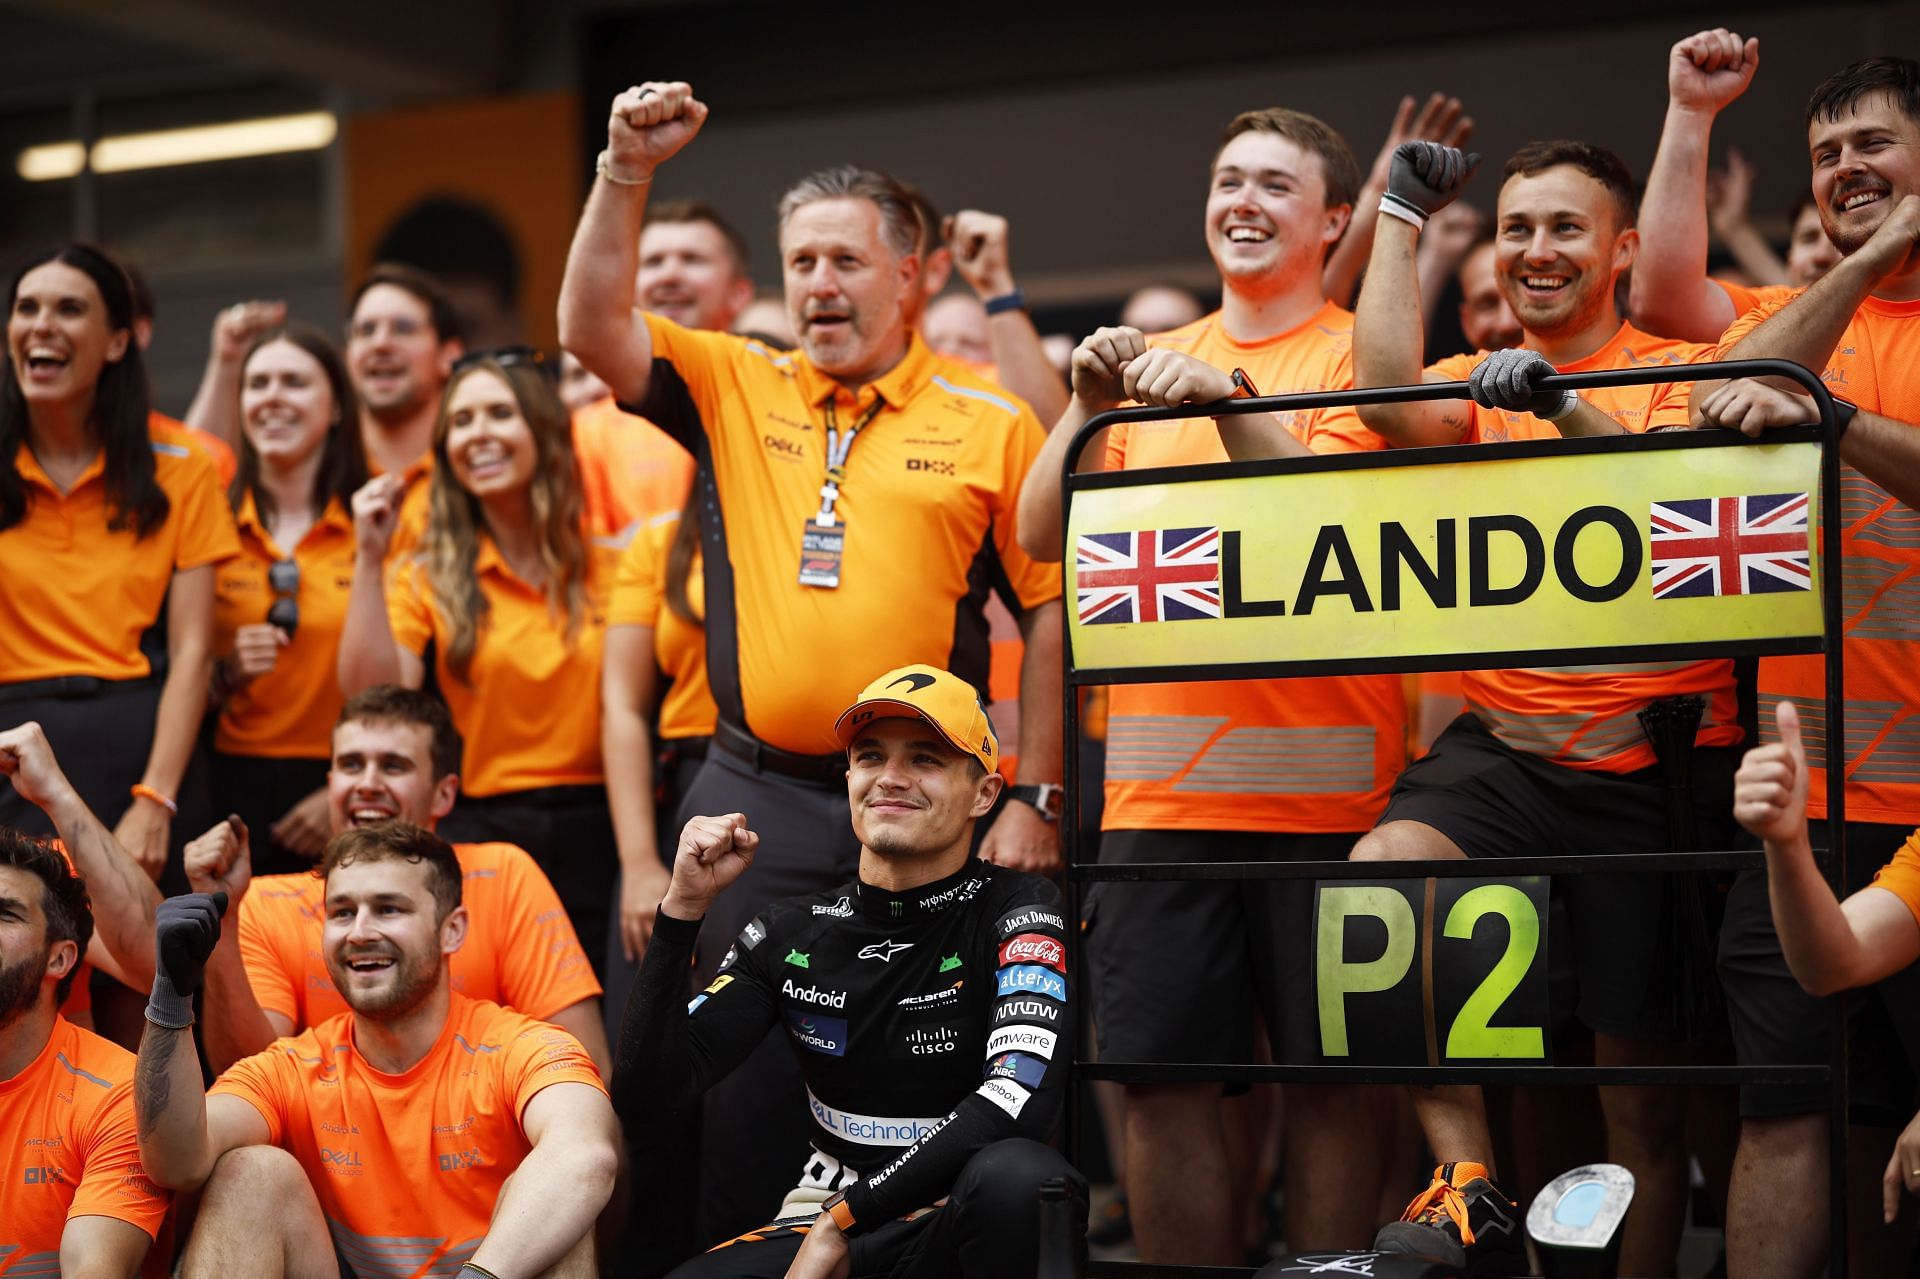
{"x":939,"y":697}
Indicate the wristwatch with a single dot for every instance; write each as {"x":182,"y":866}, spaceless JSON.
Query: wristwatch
{"x":1045,"y":799}
{"x":1243,"y":388}
{"x":1843,"y":411}
{"x":836,"y":1207}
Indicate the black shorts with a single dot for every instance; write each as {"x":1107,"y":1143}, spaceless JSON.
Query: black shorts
{"x":1631,"y":933}
{"x":1777,"y":1023}
{"x":1179,"y":968}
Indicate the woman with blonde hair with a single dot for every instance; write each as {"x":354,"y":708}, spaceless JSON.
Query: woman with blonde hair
{"x":503,"y":600}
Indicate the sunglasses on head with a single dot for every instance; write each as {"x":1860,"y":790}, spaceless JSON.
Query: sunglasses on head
{"x":509,"y":356}
{"x":284,"y":577}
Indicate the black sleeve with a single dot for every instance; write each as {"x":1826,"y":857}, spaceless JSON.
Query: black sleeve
{"x":670,"y":1051}
{"x":1026,"y":1057}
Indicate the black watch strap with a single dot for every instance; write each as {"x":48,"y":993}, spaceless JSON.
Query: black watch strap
{"x":1843,"y":411}
{"x":1046,"y":798}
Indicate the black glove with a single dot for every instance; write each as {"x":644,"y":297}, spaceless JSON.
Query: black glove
{"x":1507,"y":380}
{"x":185,"y":930}
{"x":1424,"y":179}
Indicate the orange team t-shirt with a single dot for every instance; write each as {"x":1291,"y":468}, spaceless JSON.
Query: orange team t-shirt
{"x":1901,"y":875}
{"x":410,"y":522}
{"x":1874,"y":366}
{"x":225,"y":464}
{"x":926,"y":509}
{"x":69,"y":1125}
{"x":1304,"y":755}
{"x":520,"y":950}
{"x":408,"y":1167}
{"x":529,"y":706}
{"x":679,"y":646}
{"x":630,"y":469}
{"x":287,"y":713}
{"x":79,"y":594}
{"x":1745,"y":297}
{"x":1587,"y":717}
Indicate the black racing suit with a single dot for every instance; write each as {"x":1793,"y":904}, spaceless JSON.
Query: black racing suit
{"x":929,"y":1026}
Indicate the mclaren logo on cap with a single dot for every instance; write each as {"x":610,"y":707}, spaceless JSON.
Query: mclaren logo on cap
{"x":913,"y":680}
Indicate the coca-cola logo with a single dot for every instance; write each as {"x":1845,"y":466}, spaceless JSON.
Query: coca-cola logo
{"x":1033,"y":948}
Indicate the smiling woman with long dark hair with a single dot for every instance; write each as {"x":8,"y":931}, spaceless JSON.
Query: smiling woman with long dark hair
{"x":104,"y":524}
{"x":505,"y":595}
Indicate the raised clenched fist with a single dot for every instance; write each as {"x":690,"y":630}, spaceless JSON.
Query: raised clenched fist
{"x":648,"y":124}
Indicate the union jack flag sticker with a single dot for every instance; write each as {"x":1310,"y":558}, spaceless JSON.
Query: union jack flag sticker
{"x":1706,"y":546}
{"x":1155,"y":575}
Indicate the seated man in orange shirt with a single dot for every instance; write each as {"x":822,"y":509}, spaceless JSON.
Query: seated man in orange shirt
{"x":395,"y":756}
{"x":418,"y":1131}
{"x":74,"y":1199}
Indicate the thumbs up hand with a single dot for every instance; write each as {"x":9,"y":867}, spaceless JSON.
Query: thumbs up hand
{"x":1770,"y":790}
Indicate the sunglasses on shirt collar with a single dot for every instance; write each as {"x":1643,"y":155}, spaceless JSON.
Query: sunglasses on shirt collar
{"x":284,"y":577}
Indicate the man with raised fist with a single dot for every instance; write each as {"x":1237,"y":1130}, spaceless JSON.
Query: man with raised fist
{"x":1548,"y":760}
{"x":74,"y":1199}
{"x":395,"y":757}
{"x":1857,"y":327}
{"x":927,"y":999}
{"x":419,"y":1126}
{"x":857,"y":487}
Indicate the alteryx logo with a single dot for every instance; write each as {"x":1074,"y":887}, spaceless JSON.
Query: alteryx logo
{"x":821,"y":1034}
{"x":1030,"y":979}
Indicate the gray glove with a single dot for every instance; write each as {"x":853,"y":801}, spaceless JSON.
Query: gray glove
{"x":1508,"y":380}
{"x":185,"y":930}
{"x":1424,"y":179}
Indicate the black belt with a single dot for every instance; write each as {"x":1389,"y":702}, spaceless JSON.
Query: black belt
{"x":826,"y":771}
{"x":68,"y":688}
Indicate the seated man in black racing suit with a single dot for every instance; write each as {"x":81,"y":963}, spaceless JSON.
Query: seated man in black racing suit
{"x":927,"y":1002}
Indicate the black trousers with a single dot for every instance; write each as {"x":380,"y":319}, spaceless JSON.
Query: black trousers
{"x":989,"y":1228}
{"x":569,"y":831}
{"x":102,"y":743}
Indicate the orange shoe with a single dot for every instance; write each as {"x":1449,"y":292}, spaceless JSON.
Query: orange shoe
{"x":1463,"y":1219}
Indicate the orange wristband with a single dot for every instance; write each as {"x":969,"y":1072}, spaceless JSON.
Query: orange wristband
{"x":841,"y":1214}
{"x":140,"y":790}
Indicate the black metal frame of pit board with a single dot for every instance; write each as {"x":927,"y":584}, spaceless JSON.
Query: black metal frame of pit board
{"x":1833,"y":1074}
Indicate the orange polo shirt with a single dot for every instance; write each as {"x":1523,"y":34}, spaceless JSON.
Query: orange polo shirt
{"x":79,"y":594}
{"x":630,"y":469}
{"x":1587,"y":717}
{"x":1316,"y":754}
{"x":520,"y":951}
{"x":1901,"y":875}
{"x":288,"y":713}
{"x":529,"y":707}
{"x":225,"y":464}
{"x":66,"y":1123}
{"x":411,"y":522}
{"x":408,"y":1167}
{"x":679,"y":646}
{"x":926,"y":511}
{"x":1876,"y":366}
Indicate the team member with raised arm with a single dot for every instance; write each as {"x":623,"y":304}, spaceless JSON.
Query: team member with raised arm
{"x":75,"y":1200}
{"x":1831,"y":945}
{"x":281,"y":603}
{"x":927,"y":1000}
{"x":981,"y":256}
{"x":1547,"y":760}
{"x":1181,"y":970}
{"x":420,"y":1127}
{"x":1858,"y":327}
{"x":506,"y":594}
{"x":122,"y":924}
{"x":395,"y":757}
{"x":803,"y":549}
